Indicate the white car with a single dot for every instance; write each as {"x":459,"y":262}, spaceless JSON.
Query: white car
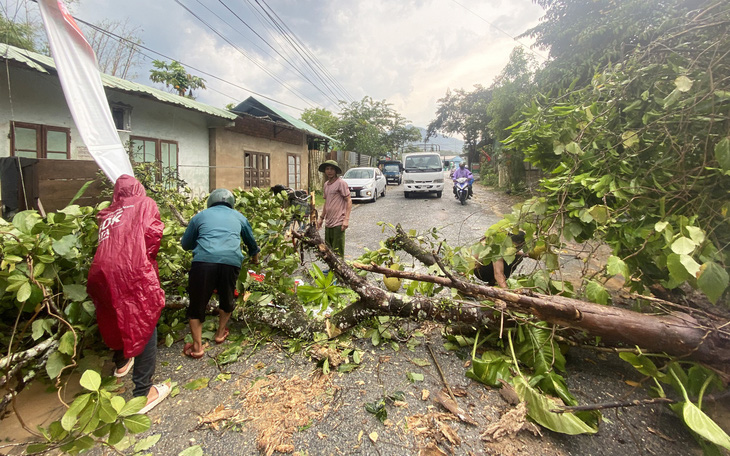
{"x":366,"y":184}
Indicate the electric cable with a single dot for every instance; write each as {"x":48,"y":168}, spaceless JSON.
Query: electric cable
{"x":229,"y":25}
{"x":297,"y":94}
{"x":308,"y":52}
{"x":121,"y":38}
{"x":291,"y":64}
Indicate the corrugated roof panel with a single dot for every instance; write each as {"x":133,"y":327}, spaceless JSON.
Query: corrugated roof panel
{"x":20,"y":55}
{"x":296,"y":123}
{"x":40,"y":62}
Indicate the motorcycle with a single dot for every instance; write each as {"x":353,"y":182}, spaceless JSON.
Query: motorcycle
{"x":462,"y":189}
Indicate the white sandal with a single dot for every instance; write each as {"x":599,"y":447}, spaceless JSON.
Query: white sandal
{"x":119,"y":373}
{"x":163,"y":390}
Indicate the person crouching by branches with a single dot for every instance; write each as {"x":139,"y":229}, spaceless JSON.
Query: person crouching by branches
{"x":214,"y":235}
{"x":498,"y":271}
{"x":124,"y":285}
{"x":337,"y":207}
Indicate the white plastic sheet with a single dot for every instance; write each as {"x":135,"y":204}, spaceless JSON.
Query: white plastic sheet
{"x":81,"y":82}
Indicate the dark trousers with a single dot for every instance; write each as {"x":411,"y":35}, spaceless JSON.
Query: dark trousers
{"x":144,"y":366}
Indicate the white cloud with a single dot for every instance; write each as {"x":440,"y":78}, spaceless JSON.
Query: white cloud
{"x":408,"y":52}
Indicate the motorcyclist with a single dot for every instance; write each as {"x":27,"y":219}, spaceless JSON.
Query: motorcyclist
{"x":463,"y":171}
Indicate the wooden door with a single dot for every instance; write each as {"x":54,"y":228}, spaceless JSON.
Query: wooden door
{"x":257,"y":170}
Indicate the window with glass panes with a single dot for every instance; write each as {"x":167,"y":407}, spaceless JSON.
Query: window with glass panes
{"x":294,"y":165}
{"x":40,"y":141}
{"x":152,"y":150}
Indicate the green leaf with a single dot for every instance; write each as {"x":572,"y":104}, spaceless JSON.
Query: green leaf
{"x":683,"y":83}
{"x":713,"y":280}
{"x":107,"y":413}
{"x":70,"y":418}
{"x":414,"y":377}
{"x":192,"y":451}
{"x":137,"y":423}
{"x":91,"y":380}
{"x":539,"y":409}
{"x":595,"y":292}
{"x":642,"y":364}
{"x":36,"y":448}
{"x":683,"y":246}
{"x":56,"y":362}
{"x":617,"y":266}
{"x":492,"y":367}
{"x":147,"y":442}
{"x":75,"y":292}
{"x":117,"y":403}
{"x":116,"y":433}
{"x":599,"y":214}
{"x":24,"y":292}
{"x":67,"y":343}
{"x":704,"y":425}
{"x":420,"y":362}
{"x":722,"y":154}
{"x":65,"y":246}
{"x":133,"y":406}
{"x":696,"y":234}
{"x":26,"y":220}
{"x":630,"y":138}
{"x":692,"y":267}
{"x":197,"y":384}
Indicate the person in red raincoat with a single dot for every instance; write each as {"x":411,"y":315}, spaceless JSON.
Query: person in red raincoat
{"x":125,"y":287}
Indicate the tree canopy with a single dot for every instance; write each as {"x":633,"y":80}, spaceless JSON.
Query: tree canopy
{"x":176,"y":78}
{"x":368,"y":126}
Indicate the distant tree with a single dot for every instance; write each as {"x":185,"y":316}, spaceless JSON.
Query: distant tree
{"x":116,"y":56}
{"x":18,"y":34}
{"x":321,"y":119}
{"x":373,"y":128}
{"x":174,"y":76}
{"x":465,"y":113}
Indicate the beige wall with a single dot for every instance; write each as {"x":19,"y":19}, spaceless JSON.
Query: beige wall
{"x":228,"y":145}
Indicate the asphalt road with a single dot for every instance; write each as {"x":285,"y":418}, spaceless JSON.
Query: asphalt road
{"x":458,"y":225}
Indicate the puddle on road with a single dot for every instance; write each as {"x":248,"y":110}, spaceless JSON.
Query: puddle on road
{"x":36,"y":406}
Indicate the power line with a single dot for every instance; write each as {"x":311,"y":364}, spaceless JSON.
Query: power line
{"x":288,"y":40}
{"x":505,"y":33}
{"x":308,"y":52}
{"x":298,"y":95}
{"x":267,"y":43}
{"x":141,"y":46}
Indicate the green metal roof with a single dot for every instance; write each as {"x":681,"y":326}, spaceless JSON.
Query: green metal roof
{"x":44,"y":63}
{"x":257,"y":108}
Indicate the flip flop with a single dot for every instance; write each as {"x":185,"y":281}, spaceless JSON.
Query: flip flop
{"x":163,"y":390}
{"x":188,"y":351}
{"x":222,"y":339}
{"x":121,"y":372}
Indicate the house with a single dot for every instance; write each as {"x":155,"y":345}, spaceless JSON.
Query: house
{"x":264,"y":147}
{"x":207,"y":146}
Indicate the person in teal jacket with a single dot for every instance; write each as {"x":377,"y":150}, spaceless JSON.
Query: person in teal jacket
{"x":214,"y":235}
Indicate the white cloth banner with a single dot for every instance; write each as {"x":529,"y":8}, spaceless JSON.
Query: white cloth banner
{"x":81,"y":82}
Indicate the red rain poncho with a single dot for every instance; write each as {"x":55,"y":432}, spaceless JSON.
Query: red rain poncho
{"x":123,"y":280}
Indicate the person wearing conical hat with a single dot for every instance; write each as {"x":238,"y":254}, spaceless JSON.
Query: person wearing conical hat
{"x":337,"y":207}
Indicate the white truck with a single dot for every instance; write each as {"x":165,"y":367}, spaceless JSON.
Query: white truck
{"x":423,"y":172}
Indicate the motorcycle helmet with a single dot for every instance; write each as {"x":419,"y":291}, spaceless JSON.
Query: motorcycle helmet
{"x":221,"y":196}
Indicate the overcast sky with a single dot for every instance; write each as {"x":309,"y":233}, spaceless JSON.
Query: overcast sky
{"x":407,"y":52}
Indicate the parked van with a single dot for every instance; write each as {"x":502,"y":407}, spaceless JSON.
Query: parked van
{"x":423,"y":173}
{"x":392,"y":170}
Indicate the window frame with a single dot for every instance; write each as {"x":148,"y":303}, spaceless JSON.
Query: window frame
{"x":158,"y":152}
{"x":41,"y":136}
{"x":297,"y":171}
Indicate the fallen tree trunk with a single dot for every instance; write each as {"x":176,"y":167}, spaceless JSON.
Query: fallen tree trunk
{"x":677,"y":334}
